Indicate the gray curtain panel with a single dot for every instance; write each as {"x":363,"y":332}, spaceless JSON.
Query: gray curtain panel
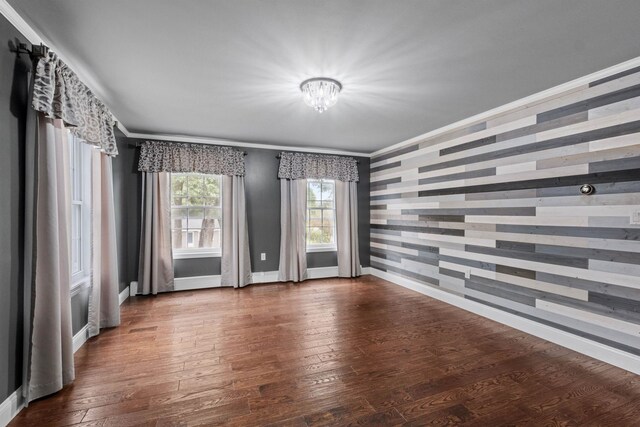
{"x":49,"y":355}
{"x":293,"y":248}
{"x":155,"y":273}
{"x":236,"y":260}
{"x":347,"y":229}
{"x":104,"y":304}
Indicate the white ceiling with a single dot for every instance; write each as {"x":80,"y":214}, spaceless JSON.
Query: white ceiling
{"x":231,"y":69}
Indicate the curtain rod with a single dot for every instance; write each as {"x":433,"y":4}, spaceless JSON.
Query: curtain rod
{"x":357,"y":161}
{"x":36,"y":51}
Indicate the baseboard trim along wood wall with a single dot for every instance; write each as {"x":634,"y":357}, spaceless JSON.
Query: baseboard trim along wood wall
{"x":613,"y":356}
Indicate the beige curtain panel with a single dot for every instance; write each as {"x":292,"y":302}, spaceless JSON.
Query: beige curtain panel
{"x":49,"y":353}
{"x":236,"y":259}
{"x":104,"y":303}
{"x":347,"y":229}
{"x":293,"y":249}
{"x":155,"y":272}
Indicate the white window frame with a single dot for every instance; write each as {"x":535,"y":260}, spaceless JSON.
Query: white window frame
{"x":82,"y":277}
{"x":321,"y":247}
{"x":188,"y":253}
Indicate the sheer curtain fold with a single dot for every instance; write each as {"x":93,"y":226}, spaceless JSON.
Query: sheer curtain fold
{"x":49,"y":358}
{"x":293,"y":250}
{"x":104,"y":304}
{"x":236,"y":260}
{"x":155,"y":273}
{"x":347,"y":229}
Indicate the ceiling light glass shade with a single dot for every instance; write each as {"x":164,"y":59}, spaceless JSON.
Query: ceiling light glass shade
{"x":320,"y":93}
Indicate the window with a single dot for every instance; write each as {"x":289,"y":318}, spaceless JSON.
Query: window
{"x":321,"y":214}
{"x":196,"y":214}
{"x":80,"y":175}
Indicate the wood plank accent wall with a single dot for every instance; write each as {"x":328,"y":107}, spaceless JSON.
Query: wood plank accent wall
{"x":492,"y":211}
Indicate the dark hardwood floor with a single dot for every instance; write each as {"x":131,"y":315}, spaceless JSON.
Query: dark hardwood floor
{"x":329,"y":352}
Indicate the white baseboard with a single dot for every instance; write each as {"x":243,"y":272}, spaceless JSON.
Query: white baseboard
{"x":322,"y":272}
{"x":196,"y":282}
{"x":80,"y":338}
{"x":124,"y":295}
{"x":205,"y":282}
{"x":582,"y":345}
{"x":133,"y":289}
{"x":264,"y":277}
{"x":11,"y":406}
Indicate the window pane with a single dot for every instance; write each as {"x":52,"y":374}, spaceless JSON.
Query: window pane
{"x":214,"y":213}
{"x":196,"y":213}
{"x":178,"y":184}
{"x":327,"y":204}
{"x":179,"y":217}
{"x":328,"y":218}
{"x":179,"y":238}
{"x":314,"y":191}
{"x":314,"y":235}
{"x":327,"y":190}
{"x":206,"y":233}
{"x":212,"y":188}
{"x":196,"y":187}
{"x":196,"y":201}
{"x":314,"y":218}
{"x":314,"y":203}
{"x":327,"y":234}
{"x":179,"y":201}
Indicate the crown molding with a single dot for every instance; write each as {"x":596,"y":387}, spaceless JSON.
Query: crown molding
{"x":234,"y":143}
{"x":556,"y":90}
{"x":17,"y":21}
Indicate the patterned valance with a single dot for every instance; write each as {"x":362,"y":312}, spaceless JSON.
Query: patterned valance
{"x":181,"y":157}
{"x":303,"y":166}
{"x":59,"y":94}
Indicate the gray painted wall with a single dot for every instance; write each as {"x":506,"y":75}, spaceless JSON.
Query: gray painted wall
{"x":263,"y":210}
{"x":13,"y":107}
{"x":498,"y":201}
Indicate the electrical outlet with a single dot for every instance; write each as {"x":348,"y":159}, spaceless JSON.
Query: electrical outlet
{"x":467,"y":274}
{"x":263,"y":256}
{"x":635,"y":217}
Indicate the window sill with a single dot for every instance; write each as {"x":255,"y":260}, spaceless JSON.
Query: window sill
{"x":197,"y":254}
{"x":322,"y":248}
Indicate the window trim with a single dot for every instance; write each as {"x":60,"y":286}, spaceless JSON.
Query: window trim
{"x":82,"y":278}
{"x":321,"y":247}
{"x":197,"y":253}
{"x":191,"y":253}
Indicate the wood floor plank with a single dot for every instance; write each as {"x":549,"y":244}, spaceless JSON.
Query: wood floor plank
{"x":342,"y":352}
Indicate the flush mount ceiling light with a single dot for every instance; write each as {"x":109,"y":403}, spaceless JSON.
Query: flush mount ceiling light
{"x":320,"y":93}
